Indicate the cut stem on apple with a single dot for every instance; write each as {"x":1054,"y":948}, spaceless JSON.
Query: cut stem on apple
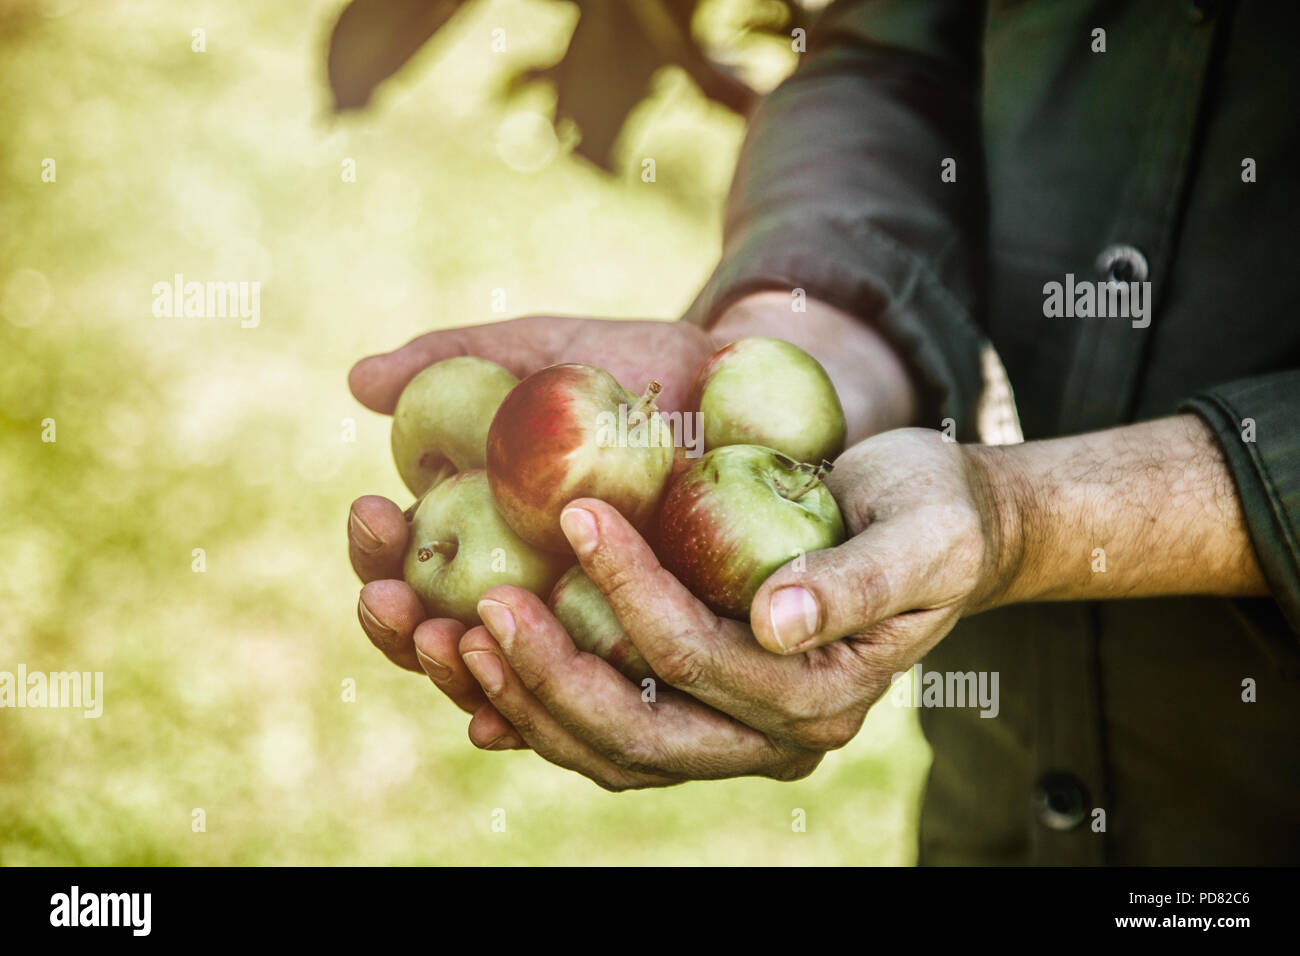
{"x":737,"y":515}
{"x":813,"y":475}
{"x":460,"y":547}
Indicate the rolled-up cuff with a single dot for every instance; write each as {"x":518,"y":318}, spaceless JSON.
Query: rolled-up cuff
{"x":1257,"y":423}
{"x":864,"y":272}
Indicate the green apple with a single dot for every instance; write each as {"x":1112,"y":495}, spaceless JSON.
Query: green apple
{"x":441,"y":421}
{"x":460,"y":547}
{"x":581,"y":607}
{"x":761,"y":391}
{"x":739,"y":513}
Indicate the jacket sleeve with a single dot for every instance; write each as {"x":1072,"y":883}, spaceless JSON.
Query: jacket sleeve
{"x":839,"y":190}
{"x":1257,"y":424}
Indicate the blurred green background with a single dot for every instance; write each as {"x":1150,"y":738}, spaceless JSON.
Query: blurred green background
{"x":224,"y":690}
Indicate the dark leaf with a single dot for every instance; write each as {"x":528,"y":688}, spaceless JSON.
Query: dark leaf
{"x":604,"y":73}
{"x":374,"y":38}
{"x":615,"y":50}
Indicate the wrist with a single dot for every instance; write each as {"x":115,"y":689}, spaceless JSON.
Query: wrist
{"x":1140,"y":510}
{"x":871,"y":378}
{"x":1008,"y":505}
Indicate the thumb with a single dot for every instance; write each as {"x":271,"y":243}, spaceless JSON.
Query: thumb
{"x":873,"y":576}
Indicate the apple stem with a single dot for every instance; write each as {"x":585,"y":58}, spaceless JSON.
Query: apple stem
{"x":646,"y":403}
{"x":447,"y":549}
{"x":815,"y":475}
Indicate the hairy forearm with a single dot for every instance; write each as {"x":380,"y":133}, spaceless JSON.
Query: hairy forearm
{"x":872,"y":381}
{"x":1139,"y":511}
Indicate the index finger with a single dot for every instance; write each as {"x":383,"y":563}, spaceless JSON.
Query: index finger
{"x":377,"y":537}
{"x":378,"y":380}
{"x":715,"y":660}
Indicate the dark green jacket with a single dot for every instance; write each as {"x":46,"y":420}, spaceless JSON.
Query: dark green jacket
{"x":1126,"y":162}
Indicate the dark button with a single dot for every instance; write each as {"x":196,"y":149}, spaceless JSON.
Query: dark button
{"x":1198,"y":11}
{"x":1120,"y":263}
{"x":1060,"y":800}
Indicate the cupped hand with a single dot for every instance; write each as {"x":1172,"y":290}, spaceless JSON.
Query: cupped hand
{"x":926,"y":548}
{"x":870,"y":378}
{"x":634,"y":352}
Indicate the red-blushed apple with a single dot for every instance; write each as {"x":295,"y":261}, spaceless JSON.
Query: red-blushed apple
{"x":572,"y":431}
{"x":762,"y":391}
{"x":460,"y":547}
{"x":737,"y":515}
{"x":441,"y":421}
{"x":580,"y":606}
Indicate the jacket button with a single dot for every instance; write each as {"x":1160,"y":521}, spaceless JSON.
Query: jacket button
{"x":1120,"y":263}
{"x":1061,"y":800}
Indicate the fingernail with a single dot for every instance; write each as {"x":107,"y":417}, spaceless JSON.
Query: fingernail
{"x":794,"y":615}
{"x":365,"y":538}
{"x":435,"y":669}
{"x":371,"y":624}
{"x":486,"y":668}
{"x":579,"y":526}
{"x":506,"y":741}
{"x":498,"y":619}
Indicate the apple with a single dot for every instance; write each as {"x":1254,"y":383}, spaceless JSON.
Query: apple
{"x":762,"y":391}
{"x":581,"y":607}
{"x":441,"y":421}
{"x":739,"y":513}
{"x":460,"y":547}
{"x":572,"y":431}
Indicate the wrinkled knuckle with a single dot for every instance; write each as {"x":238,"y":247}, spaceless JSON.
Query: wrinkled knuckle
{"x":873,"y":587}
{"x":617,"y":578}
{"x":539,"y":682}
{"x":524,"y":723}
{"x":627,"y":751}
{"x":683,"y":666}
{"x":641,"y":759}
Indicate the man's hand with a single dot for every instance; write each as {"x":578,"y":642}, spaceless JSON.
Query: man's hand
{"x":940,"y":530}
{"x":633,"y":352}
{"x":925,"y":548}
{"x":871,"y":380}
